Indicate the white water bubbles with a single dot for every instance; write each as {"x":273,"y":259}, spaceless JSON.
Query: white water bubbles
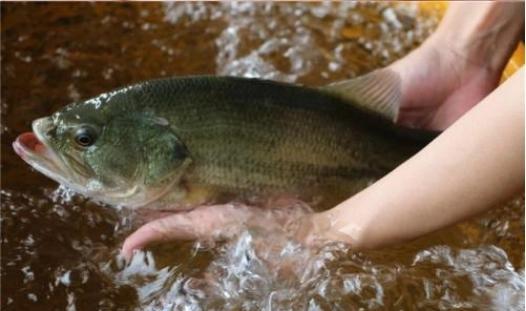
{"x":495,"y":284}
{"x":281,"y":48}
{"x":63,"y":194}
{"x":295,"y":42}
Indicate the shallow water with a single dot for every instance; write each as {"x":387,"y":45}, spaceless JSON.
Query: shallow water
{"x":59,"y":251}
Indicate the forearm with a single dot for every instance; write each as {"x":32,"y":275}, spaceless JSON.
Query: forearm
{"x":484,"y":33}
{"x":474,"y":165}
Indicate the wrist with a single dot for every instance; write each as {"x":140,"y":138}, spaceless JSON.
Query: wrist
{"x":340,"y":225}
{"x":483,"y":35}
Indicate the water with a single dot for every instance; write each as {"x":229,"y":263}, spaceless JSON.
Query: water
{"x":61,"y":252}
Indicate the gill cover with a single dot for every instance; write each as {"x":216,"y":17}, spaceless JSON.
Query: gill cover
{"x":165,"y":153}
{"x":138,"y":147}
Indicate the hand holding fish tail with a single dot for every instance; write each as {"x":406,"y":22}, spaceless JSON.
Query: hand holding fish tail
{"x":459,"y":64}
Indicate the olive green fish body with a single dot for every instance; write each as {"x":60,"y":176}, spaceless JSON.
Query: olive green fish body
{"x":196,"y":139}
{"x":250,"y":136}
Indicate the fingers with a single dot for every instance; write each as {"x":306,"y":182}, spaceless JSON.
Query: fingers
{"x":211,"y":223}
{"x":163,"y":229}
{"x":208,"y":222}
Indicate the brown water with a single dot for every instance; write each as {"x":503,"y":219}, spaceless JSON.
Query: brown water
{"x":59,"y":251}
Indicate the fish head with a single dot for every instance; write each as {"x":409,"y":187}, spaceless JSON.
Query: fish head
{"x":116,"y":157}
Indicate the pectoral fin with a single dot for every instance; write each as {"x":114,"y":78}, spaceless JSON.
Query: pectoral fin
{"x":378,"y":91}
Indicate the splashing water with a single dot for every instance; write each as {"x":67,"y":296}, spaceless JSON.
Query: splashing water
{"x":267,"y":271}
{"x":61,"y":252}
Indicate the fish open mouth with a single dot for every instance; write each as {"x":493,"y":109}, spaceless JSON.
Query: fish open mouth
{"x":28,"y":144}
{"x":33,"y":149}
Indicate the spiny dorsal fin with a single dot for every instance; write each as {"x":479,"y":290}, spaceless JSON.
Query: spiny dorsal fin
{"x":378,"y":91}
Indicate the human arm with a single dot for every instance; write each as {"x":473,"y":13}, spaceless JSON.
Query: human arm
{"x":474,"y":165}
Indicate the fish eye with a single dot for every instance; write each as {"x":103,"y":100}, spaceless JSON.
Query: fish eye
{"x":85,"y":136}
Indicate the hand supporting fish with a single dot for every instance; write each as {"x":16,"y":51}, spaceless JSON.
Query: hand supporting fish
{"x":222,"y":222}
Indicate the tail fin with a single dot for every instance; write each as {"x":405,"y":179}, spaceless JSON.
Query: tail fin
{"x":378,"y":91}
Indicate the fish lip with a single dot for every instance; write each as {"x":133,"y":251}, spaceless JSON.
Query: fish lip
{"x":41,"y":161}
{"x":43,"y":158}
{"x":30,"y":153}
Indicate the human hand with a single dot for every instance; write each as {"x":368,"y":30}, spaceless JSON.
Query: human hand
{"x":219,"y":222}
{"x":459,"y":64}
{"x":439,"y":85}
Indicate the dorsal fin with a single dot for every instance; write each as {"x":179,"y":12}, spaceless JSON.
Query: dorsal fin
{"x":378,"y":91}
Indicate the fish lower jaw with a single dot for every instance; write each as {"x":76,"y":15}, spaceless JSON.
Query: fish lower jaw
{"x":33,"y":150}
{"x":43,"y":164}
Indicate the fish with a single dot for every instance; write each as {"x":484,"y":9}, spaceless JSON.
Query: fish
{"x":179,"y":142}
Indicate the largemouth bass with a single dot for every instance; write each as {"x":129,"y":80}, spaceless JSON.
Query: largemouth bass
{"x":180,"y":142}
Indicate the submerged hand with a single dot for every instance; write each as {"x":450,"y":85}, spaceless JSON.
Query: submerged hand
{"x":215,"y":222}
{"x":207,"y":222}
